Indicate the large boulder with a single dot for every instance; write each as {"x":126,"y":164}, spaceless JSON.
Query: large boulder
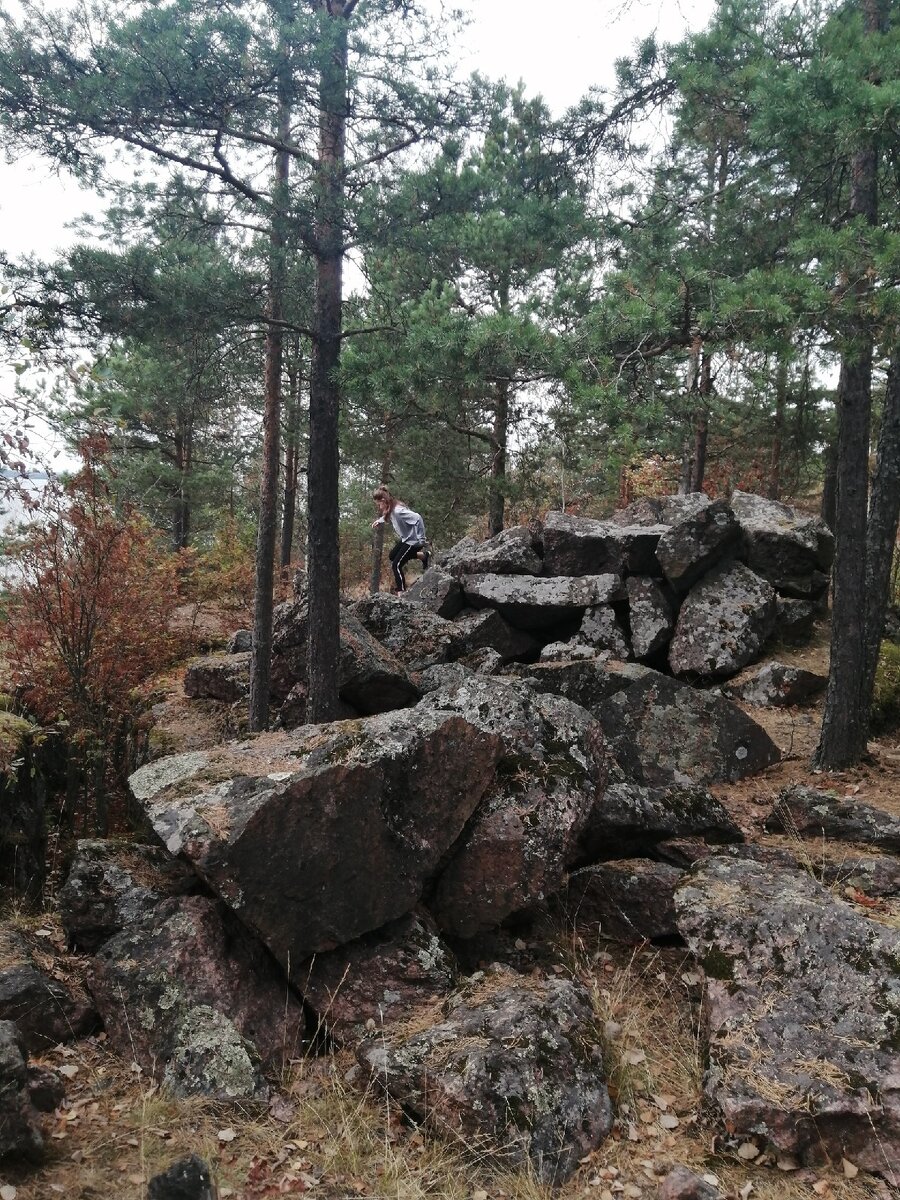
{"x":370,"y":677}
{"x":196,"y":1001}
{"x":582,"y":546}
{"x":723,"y":623}
{"x":524,"y":834}
{"x":687,"y":550}
{"x":514,"y":551}
{"x":793,"y":552}
{"x":380,"y":979}
{"x":114,"y":883}
{"x":801,"y":1014}
{"x":664,"y":731}
{"x":318,"y":836}
{"x":417,"y":636}
{"x":600,"y":630}
{"x":587,"y":681}
{"x":811,"y":813}
{"x":661,"y":510}
{"x":513,"y":1069}
{"x":532,"y":603}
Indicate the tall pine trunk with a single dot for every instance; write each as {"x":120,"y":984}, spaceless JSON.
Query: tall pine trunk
{"x":846,"y":719}
{"x":324,"y":401}
{"x":291,"y":458}
{"x":884,"y":513}
{"x":773,"y":484}
{"x":267,"y":529}
{"x":499,"y":437}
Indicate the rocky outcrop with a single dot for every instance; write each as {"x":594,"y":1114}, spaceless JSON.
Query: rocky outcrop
{"x":195,"y":1001}
{"x":581,"y":546}
{"x":513,"y":1068}
{"x":417,"y":636}
{"x":223,"y":677}
{"x":45,"y":1010}
{"x":439,"y":591}
{"x":188,"y":1179}
{"x":697,"y":542}
{"x":801,"y":1014}
{"x":514,"y":551}
{"x":793,"y":552}
{"x":651,"y":616}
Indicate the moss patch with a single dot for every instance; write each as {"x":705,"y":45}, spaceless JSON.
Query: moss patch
{"x":885,"y":714}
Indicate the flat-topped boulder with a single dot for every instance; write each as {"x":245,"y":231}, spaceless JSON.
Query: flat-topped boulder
{"x":514,"y":551}
{"x":319,"y":835}
{"x":801,"y":1014}
{"x":537,"y":603}
{"x":486,"y":629}
{"x":439,"y":591}
{"x":512,"y":1068}
{"x":630,"y":900}
{"x":583,"y":546}
{"x":661,"y":510}
{"x":723,"y":623}
{"x":586,"y":680}
{"x":224,"y":677}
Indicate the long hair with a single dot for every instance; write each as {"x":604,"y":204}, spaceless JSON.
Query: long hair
{"x":383,"y":492}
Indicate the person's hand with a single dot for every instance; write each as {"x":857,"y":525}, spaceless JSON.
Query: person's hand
{"x":376,"y":522}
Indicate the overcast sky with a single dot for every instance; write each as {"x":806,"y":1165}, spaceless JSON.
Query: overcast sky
{"x":559,"y":51}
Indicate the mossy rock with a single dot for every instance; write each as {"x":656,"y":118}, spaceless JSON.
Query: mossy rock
{"x":14,"y":733}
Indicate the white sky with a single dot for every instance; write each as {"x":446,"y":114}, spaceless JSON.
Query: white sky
{"x":559,"y":51}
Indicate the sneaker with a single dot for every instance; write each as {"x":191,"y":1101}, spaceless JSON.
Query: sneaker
{"x":426,"y":560}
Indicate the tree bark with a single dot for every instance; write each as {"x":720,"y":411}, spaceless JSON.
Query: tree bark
{"x":846,"y":718}
{"x":324,"y":401}
{"x":701,"y":425}
{"x":773,"y":485}
{"x":291,"y":459}
{"x":881,"y":536}
{"x":266,"y":534}
{"x":499,"y":437}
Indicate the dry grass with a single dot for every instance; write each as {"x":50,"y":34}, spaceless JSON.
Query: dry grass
{"x":330,"y":1134}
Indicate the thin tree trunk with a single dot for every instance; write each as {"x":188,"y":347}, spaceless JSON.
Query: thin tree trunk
{"x":499,"y":436}
{"x":846,"y":718}
{"x":881,"y":536}
{"x":267,"y":530}
{"x":324,"y":399}
{"x":291,"y":459}
{"x":828,"y":508}
{"x":773,"y":486}
{"x":378,"y":538}
{"x":701,"y":425}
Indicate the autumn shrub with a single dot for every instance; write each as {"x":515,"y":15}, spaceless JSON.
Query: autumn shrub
{"x":222,"y":575}
{"x":89,"y":620}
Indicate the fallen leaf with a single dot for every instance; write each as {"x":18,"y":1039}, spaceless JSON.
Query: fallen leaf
{"x":748,"y":1151}
{"x":69,"y":1070}
{"x":712,"y":1180}
{"x":851,"y":1170}
{"x":227,"y":1135}
{"x":745,"y":1191}
{"x":633,"y":1057}
{"x":137,"y":1180}
{"x":8,"y":1192}
{"x":669,"y":1121}
{"x":787,"y":1163}
{"x":821,"y":1187}
{"x":43,"y":933}
{"x":480,"y":1195}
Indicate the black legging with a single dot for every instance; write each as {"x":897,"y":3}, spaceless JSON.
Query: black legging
{"x":401,"y":553}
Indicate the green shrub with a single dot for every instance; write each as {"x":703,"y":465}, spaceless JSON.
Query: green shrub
{"x":885,"y":715}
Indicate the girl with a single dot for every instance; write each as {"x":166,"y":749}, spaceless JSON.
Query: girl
{"x":409,"y":528}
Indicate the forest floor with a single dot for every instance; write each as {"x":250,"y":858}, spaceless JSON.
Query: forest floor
{"x":328,"y":1134}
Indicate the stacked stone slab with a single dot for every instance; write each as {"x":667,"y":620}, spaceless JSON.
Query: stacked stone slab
{"x":692,"y":586}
